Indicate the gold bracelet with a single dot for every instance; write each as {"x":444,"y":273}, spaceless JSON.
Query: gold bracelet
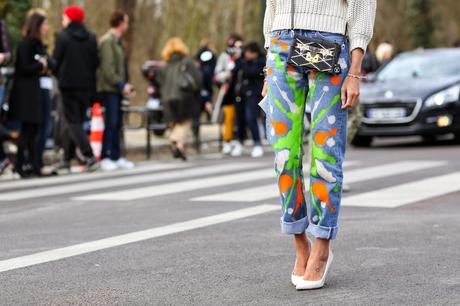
{"x":355,"y":76}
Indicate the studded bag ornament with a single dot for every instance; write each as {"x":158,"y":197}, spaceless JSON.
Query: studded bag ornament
{"x":315,"y":54}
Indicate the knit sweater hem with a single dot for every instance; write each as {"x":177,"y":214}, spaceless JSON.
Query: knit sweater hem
{"x":307,"y":21}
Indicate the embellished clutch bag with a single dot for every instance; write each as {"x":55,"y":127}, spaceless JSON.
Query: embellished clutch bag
{"x":315,"y":54}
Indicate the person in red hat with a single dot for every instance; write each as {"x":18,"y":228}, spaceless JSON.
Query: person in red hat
{"x":76,"y":57}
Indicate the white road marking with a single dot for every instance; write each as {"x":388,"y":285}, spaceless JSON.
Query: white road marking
{"x":358,"y":175}
{"x":406,"y":193}
{"x":97,"y":245}
{"x":171,"y":188}
{"x":78,"y":177}
{"x":123,"y":181}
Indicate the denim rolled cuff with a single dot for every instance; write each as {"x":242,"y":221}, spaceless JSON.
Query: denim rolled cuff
{"x":296,"y":227}
{"x":323,"y":232}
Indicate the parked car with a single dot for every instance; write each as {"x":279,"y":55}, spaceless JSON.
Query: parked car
{"x":417,"y":93}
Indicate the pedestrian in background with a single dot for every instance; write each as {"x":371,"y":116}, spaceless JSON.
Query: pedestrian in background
{"x":181,"y":82}
{"x":248,"y":78}
{"x":223,"y":77}
{"x":112,"y":84}
{"x":46,"y":86}
{"x":26,"y":99}
{"x":76,"y":60}
{"x":206,"y":59}
{"x":384,"y":53}
{"x":5,"y":56}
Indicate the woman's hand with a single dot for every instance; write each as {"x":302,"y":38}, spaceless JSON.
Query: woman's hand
{"x":350,"y":92}
{"x":350,"y":87}
{"x":264,"y":89}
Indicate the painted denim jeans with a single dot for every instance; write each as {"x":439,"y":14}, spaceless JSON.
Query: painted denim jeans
{"x":290,"y":91}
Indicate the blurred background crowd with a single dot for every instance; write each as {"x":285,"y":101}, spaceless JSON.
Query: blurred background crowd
{"x":66,"y":64}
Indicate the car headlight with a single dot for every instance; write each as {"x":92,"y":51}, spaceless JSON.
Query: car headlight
{"x":448,"y":95}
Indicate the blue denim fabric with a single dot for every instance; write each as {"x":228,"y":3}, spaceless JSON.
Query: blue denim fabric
{"x":289,"y":90}
{"x":113,"y":122}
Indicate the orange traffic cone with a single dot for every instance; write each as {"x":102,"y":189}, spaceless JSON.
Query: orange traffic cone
{"x":97,"y":130}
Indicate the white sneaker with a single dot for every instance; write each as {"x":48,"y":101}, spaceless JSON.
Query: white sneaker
{"x":123,"y":163}
{"x":237,"y":150}
{"x":257,"y":152}
{"x":226,"y":148}
{"x":108,"y":165}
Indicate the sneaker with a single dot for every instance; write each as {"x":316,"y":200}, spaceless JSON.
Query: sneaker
{"x":123,"y":163}
{"x":226,"y":148}
{"x":91,"y":164}
{"x":108,"y":165}
{"x":257,"y":152}
{"x":237,"y":150}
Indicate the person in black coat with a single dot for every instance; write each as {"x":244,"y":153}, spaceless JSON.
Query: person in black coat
{"x":76,"y":58}
{"x":26,"y":100}
{"x":248,"y":83}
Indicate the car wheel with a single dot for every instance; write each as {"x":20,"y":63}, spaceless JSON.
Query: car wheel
{"x":362,"y":141}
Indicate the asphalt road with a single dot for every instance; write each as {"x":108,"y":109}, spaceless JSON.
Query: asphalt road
{"x":207,"y":232}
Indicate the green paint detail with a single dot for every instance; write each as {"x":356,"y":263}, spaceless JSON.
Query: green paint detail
{"x":336,"y":188}
{"x":318,"y":210}
{"x":324,"y":111}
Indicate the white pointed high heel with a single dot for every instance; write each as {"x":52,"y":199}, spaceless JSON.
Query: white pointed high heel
{"x":307,"y":285}
{"x":295,"y":279}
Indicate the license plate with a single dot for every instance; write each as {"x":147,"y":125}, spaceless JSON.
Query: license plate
{"x":386,"y":113}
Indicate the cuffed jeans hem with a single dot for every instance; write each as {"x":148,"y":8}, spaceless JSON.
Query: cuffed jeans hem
{"x":323,"y":232}
{"x":296,"y":227}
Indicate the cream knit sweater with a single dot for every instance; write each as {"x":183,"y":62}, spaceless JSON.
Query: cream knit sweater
{"x":334,"y":16}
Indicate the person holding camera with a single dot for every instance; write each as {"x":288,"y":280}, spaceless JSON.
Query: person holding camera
{"x":76,"y":58}
{"x":112,"y":83}
{"x":26,"y":100}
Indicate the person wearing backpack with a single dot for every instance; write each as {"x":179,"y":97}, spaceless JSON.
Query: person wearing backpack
{"x":181,"y":82}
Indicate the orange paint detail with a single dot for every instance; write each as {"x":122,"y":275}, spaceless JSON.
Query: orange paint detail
{"x":312,"y":75}
{"x":270,"y":70}
{"x":299,"y":199}
{"x":319,"y":189}
{"x":283,"y":46}
{"x":290,"y":68}
{"x":285,"y":182}
{"x":280,"y":127}
{"x":335,"y":80}
{"x":321,"y":137}
{"x":275,"y":40}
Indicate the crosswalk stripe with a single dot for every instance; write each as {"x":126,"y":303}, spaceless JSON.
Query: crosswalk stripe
{"x":406,"y":193}
{"x":97,"y":245}
{"x":46,"y":181}
{"x":124,"y":181}
{"x":270,"y":191}
{"x":171,"y":188}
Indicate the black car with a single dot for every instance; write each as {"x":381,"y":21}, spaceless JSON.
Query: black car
{"x":417,"y":93}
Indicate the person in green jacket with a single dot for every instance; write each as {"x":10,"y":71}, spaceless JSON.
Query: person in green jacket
{"x":112,"y":83}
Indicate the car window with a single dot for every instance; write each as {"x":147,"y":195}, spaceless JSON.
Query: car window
{"x":421,"y":65}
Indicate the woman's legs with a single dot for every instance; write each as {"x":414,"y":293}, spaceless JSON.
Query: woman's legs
{"x":328,"y":143}
{"x":287,"y":89}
